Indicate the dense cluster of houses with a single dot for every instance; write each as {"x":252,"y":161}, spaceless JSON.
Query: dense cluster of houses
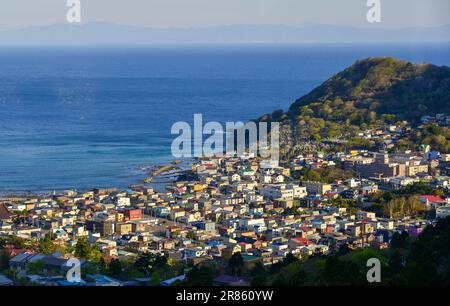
{"x":233,"y":205}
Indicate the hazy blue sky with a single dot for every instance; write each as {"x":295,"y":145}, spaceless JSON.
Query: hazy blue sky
{"x":199,"y":13}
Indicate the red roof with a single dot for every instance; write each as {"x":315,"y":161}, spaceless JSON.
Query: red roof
{"x":303,"y":241}
{"x":306,"y":229}
{"x":432,"y":198}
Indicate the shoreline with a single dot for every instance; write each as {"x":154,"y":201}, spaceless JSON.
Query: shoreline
{"x":167,"y":171}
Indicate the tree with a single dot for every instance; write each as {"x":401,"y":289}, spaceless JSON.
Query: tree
{"x":36,"y":267}
{"x":290,"y":258}
{"x":46,"y":245}
{"x":4,"y":262}
{"x":191,"y":235}
{"x":396,"y":261}
{"x":84,"y":250}
{"x":155,"y":280}
{"x":202,"y":276}
{"x":339,"y":272}
{"x":400,"y":240}
{"x":343,"y":249}
{"x":103,"y":266}
{"x":236,"y":262}
{"x":115,"y":267}
{"x":147,"y":263}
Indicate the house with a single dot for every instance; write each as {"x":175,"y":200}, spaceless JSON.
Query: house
{"x":20,"y":261}
{"x":414,"y":230}
{"x":316,"y":187}
{"x":442,"y":212}
{"x":401,"y":181}
{"x":194,"y":252}
{"x":124,"y":228}
{"x":138,"y":246}
{"x":235,"y":177}
{"x":284,"y":192}
{"x":250,"y":261}
{"x":53,"y":264}
{"x":5,"y":227}
{"x":432,"y":201}
{"x":61,"y":234}
{"x":122,"y":201}
{"x":299,"y":241}
{"x":161,"y":211}
{"x":110,"y":251}
{"x":207,"y":226}
{"x":132,"y":214}
{"x":351,"y":194}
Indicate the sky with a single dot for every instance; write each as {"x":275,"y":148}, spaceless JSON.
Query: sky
{"x":16,"y":14}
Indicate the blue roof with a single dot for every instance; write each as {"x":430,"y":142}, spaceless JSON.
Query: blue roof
{"x":170,"y":281}
{"x":214,"y":243}
{"x":103,"y":279}
{"x":67,"y":283}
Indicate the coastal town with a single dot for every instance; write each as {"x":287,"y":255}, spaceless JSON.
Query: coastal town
{"x":225,"y":216}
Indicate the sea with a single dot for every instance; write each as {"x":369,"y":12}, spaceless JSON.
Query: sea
{"x":89,"y":117}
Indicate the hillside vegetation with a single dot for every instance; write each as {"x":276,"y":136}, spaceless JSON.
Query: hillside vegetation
{"x":369,"y":93}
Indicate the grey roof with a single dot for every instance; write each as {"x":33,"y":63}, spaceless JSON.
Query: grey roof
{"x":5,"y":281}
{"x":21,"y":257}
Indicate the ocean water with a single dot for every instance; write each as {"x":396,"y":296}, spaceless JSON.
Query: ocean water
{"x":90,"y":117}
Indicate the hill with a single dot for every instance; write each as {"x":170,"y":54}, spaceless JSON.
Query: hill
{"x":386,"y":86}
{"x":369,"y":93}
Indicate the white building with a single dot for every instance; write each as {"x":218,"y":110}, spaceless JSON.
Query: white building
{"x":123,"y":201}
{"x":284,"y":192}
{"x":442,"y":212}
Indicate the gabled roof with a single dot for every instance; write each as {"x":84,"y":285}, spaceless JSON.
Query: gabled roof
{"x":4,"y":212}
{"x":432,"y":198}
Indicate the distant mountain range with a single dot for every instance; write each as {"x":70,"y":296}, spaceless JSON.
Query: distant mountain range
{"x":105,"y":33}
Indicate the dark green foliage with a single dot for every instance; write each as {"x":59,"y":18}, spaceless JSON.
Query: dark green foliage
{"x":400,"y":240}
{"x":259,"y":275}
{"x":188,"y":176}
{"x":328,"y":174}
{"x":36,"y":267}
{"x":420,"y":262}
{"x":4,"y":262}
{"x":340,"y":272}
{"x":148,"y":263}
{"x":435,"y":136}
{"x":368,"y":94}
{"x":115,"y":267}
{"x":235,"y":263}
{"x":84,"y":249}
{"x":46,"y":245}
{"x":199,"y":276}
{"x":343,"y":250}
{"x":386,"y":86}
{"x":16,"y":241}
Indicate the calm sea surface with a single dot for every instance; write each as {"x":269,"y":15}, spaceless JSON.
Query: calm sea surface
{"x":90,"y":117}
